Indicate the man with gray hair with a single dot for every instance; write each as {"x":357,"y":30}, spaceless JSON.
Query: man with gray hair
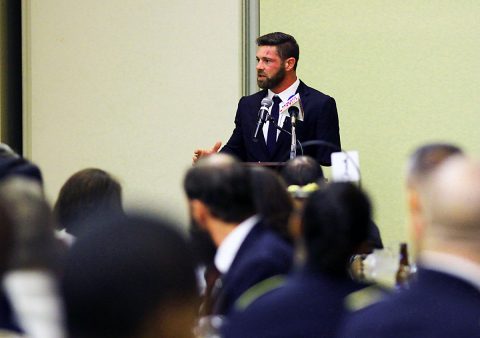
{"x":444,"y":300}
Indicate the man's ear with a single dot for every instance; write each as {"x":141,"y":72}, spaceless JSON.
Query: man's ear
{"x":290,"y":64}
{"x":417,"y":225}
{"x":200,"y":212}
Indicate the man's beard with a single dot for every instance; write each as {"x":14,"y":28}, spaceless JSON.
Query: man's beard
{"x":271,"y":82}
{"x":201,"y":244}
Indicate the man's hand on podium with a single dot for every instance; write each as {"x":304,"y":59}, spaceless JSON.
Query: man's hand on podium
{"x":199,"y":153}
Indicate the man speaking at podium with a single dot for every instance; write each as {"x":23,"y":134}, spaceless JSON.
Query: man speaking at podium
{"x":255,"y":138}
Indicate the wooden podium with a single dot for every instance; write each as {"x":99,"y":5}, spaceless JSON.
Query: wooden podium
{"x":276,"y":166}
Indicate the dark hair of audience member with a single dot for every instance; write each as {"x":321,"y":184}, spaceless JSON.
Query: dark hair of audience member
{"x":202,"y":244}
{"x":335,"y":222}
{"x":224,"y":185}
{"x":129,"y":275}
{"x":272,"y":200}
{"x":301,"y":171}
{"x":33,"y":243}
{"x":12,"y":164}
{"x":6,"y":240}
{"x":87,"y":194}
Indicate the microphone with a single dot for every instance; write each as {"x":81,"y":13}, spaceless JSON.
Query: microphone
{"x":293,"y":111}
{"x":293,"y":101}
{"x":262,"y":116}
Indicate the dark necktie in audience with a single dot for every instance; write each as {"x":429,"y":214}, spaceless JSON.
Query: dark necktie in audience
{"x":221,"y":201}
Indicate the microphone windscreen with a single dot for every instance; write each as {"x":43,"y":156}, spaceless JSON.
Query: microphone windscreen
{"x":293,"y":111}
{"x":267,"y":102}
{"x":293,"y":101}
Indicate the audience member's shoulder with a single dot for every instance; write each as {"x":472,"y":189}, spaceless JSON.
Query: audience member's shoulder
{"x":371,"y":312}
{"x":366,"y":296}
{"x":270,"y":243}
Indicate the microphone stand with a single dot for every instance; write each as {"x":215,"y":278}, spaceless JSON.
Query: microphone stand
{"x":293,"y":144}
{"x":293,"y":134}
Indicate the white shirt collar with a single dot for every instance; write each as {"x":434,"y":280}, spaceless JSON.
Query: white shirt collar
{"x":459,"y":267}
{"x":284,"y":96}
{"x":287,"y":93}
{"x":228,"y":249}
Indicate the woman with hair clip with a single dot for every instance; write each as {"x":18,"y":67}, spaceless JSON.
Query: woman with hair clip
{"x":311,"y":302}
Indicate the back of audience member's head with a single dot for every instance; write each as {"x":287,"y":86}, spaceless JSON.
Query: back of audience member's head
{"x":86,"y":195}
{"x":131,"y":277}
{"x":426,"y":158}
{"x":224,"y":185}
{"x":451,"y":201}
{"x":335,"y":224}
{"x":302,"y":170}
{"x":33,"y":243}
{"x":272,"y":200}
{"x":12,"y":164}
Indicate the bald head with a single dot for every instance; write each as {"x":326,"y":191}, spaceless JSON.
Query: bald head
{"x":451,"y":202}
{"x":216,"y":161}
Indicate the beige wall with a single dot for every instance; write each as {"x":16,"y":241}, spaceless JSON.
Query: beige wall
{"x":402,"y":72}
{"x":130,"y":86}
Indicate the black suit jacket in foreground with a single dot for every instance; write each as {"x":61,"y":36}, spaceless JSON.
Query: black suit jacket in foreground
{"x":262,"y":254}
{"x":437,"y":305}
{"x":309,"y":305}
{"x":320,"y":123}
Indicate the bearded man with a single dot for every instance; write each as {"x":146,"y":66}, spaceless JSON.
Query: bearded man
{"x":277,"y":59}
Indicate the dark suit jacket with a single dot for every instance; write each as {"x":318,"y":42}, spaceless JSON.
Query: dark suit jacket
{"x":437,"y":305}
{"x":321,"y":123}
{"x":309,"y":305}
{"x":7,"y":320}
{"x":262,"y":255}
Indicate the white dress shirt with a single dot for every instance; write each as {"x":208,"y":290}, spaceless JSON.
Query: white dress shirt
{"x":35,"y":302}
{"x":228,"y":249}
{"x":284,"y":96}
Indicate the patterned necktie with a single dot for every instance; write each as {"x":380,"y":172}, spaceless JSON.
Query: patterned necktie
{"x":212,"y":290}
{"x":272,"y":130}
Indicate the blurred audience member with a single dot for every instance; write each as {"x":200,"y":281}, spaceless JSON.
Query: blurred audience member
{"x":131,"y":277}
{"x":301,"y":171}
{"x":86,"y":195}
{"x":8,"y":322}
{"x":12,"y":164}
{"x":303,"y":176}
{"x":422,"y":162}
{"x":311,"y":302}
{"x":272,"y":201}
{"x":444,"y":298}
{"x":425,"y":159}
{"x":220,"y":196}
{"x":33,"y":261}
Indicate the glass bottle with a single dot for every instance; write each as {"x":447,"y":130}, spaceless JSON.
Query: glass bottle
{"x":402,"y":276}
